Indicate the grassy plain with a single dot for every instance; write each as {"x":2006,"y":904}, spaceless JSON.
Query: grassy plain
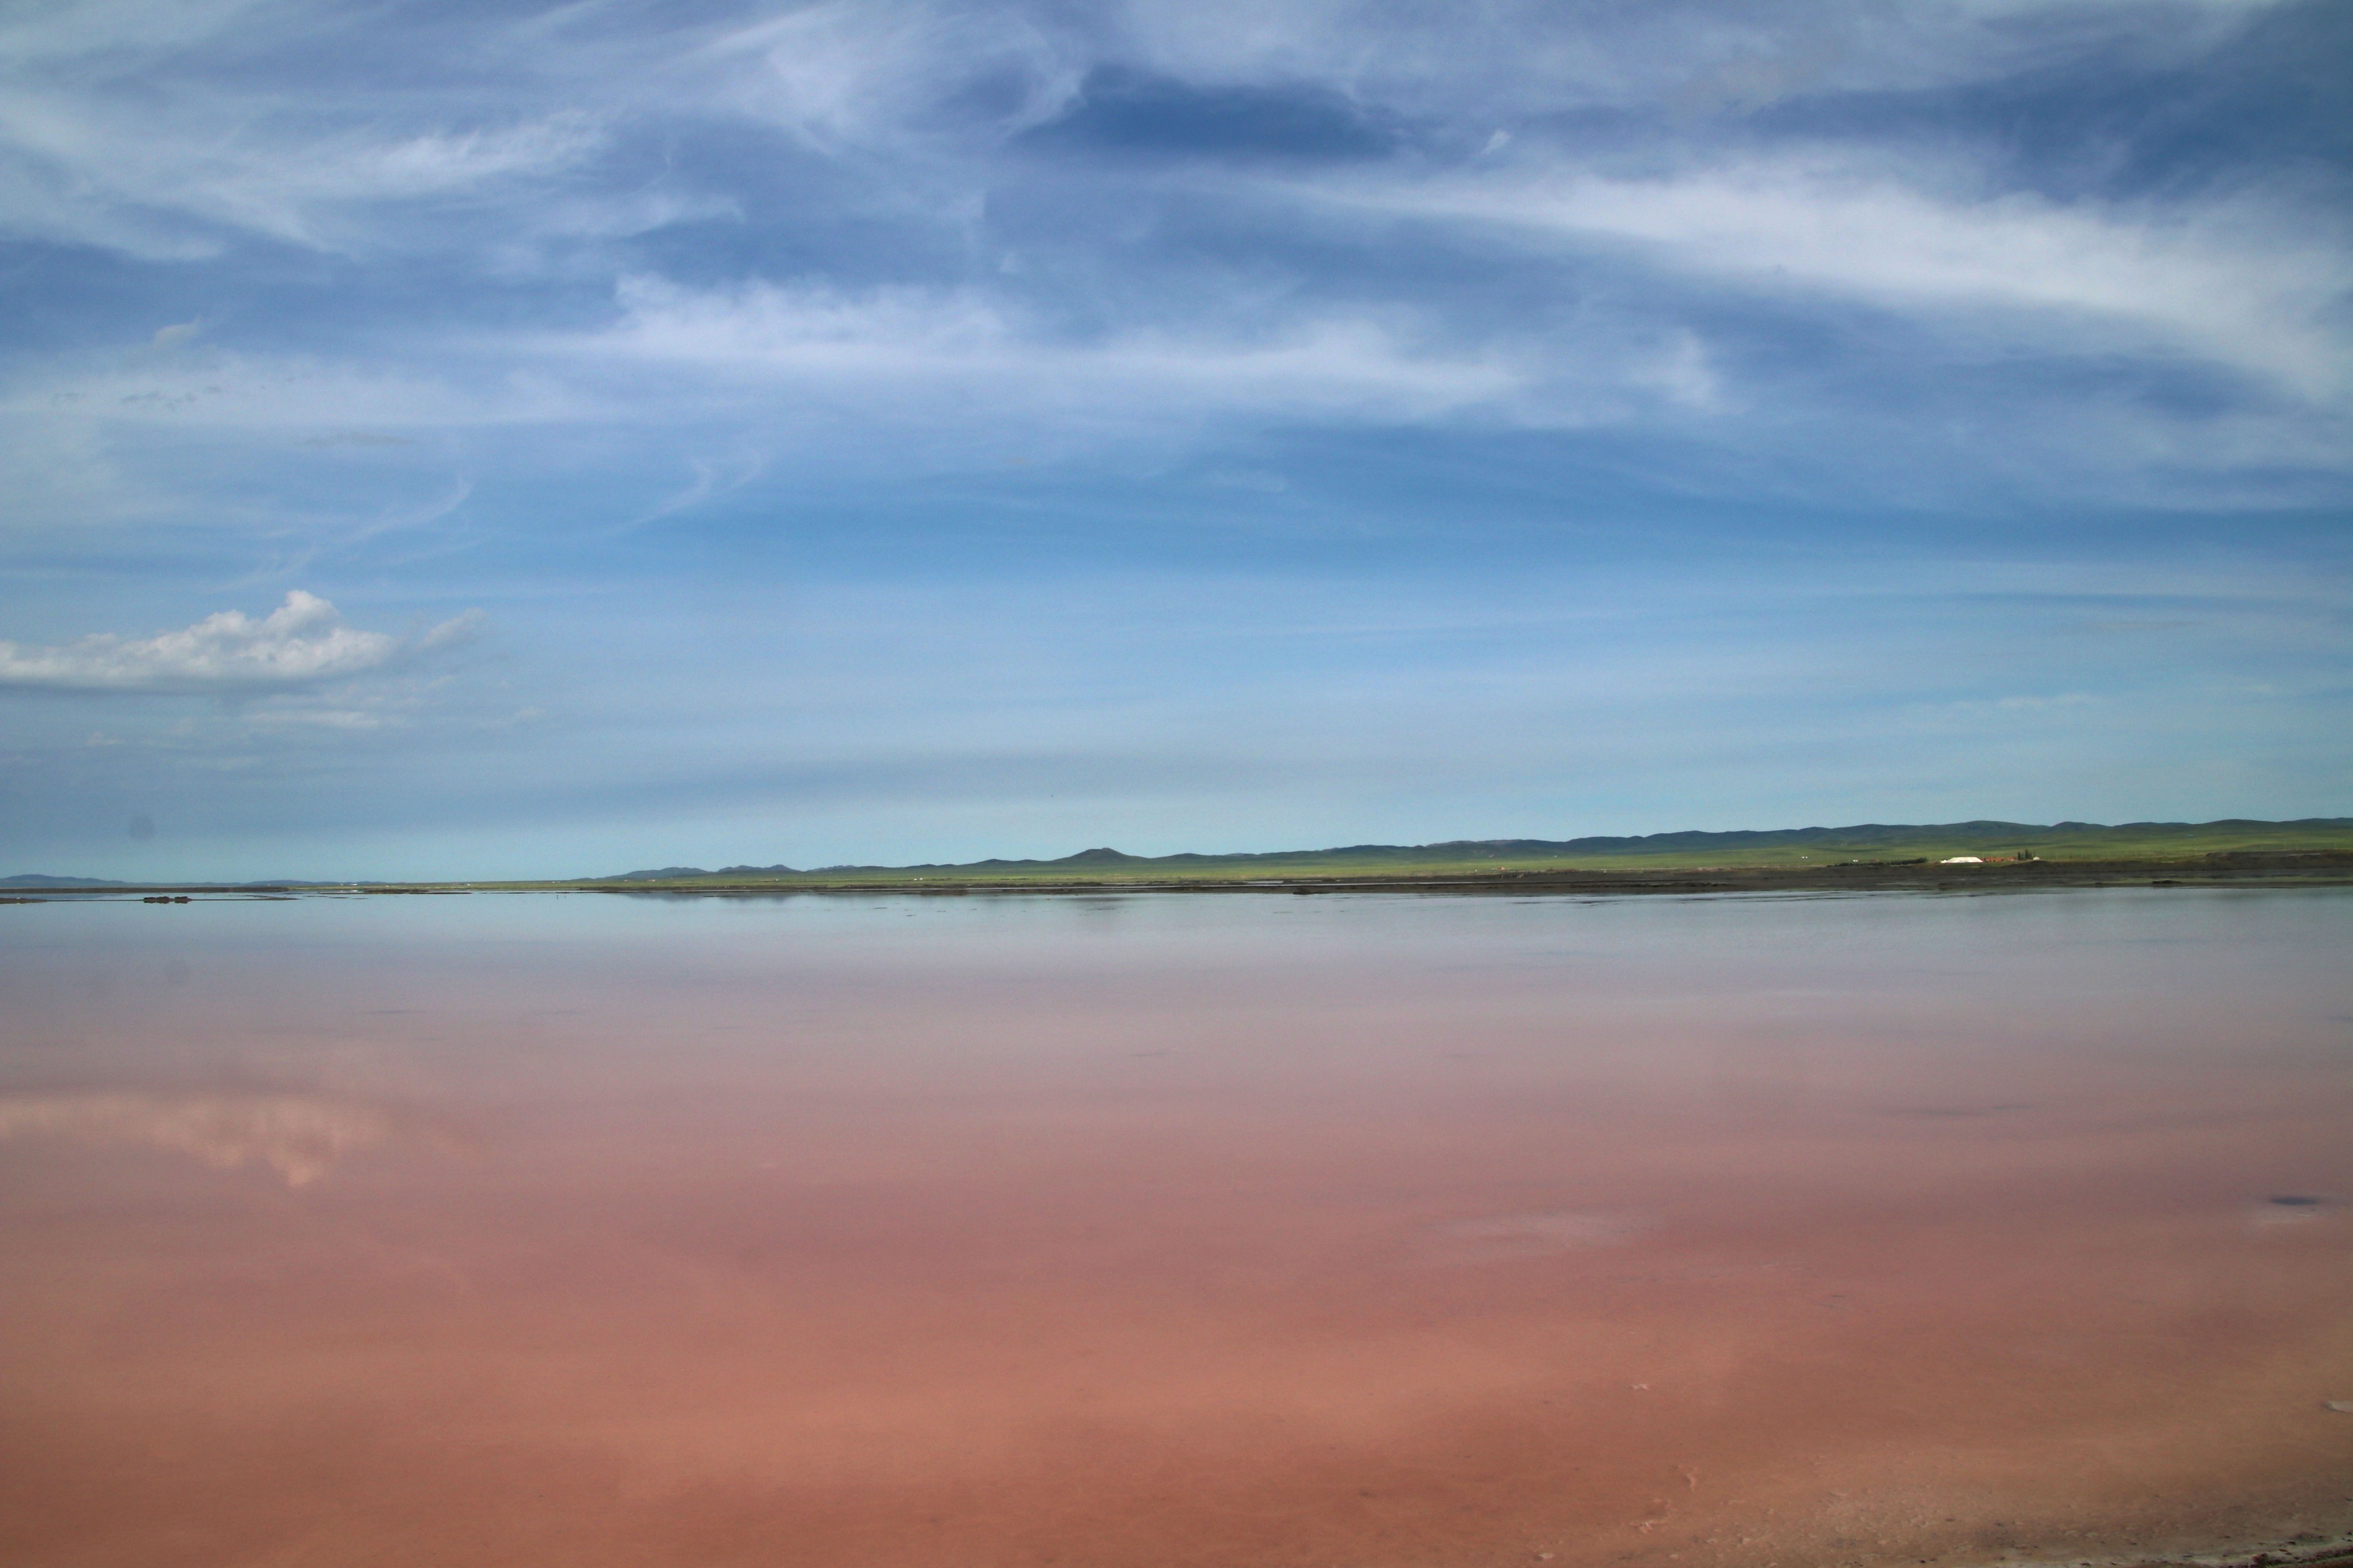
{"x":1857,"y":856}
{"x":1789,"y":850}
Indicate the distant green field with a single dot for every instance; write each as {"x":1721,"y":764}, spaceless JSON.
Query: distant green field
{"x":1782,"y":848}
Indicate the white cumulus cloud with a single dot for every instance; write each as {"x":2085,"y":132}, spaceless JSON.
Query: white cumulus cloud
{"x":302,"y":641}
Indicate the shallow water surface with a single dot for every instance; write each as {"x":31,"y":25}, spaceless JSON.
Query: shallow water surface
{"x":1233,"y":1229}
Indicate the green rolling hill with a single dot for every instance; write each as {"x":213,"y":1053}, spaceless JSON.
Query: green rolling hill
{"x":1788,"y":846}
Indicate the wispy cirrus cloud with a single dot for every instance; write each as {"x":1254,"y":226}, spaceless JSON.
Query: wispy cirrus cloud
{"x":848,"y":78}
{"x":939,"y":220}
{"x":350,"y":401}
{"x":1518,"y":56}
{"x":2229,"y":279}
{"x":883,"y":346}
{"x":302,"y":642}
{"x":168,"y":180}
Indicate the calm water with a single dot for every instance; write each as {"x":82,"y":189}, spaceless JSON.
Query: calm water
{"x":1161,"y":1230}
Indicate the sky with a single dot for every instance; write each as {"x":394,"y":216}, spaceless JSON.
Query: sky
{"x":481,"y":438}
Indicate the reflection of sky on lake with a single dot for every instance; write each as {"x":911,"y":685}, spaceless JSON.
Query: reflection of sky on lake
{"x":880,"y":1228}
{"x":298,"y":1136}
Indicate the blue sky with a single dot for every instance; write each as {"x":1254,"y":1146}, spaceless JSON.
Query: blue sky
{"x":496,"y":439}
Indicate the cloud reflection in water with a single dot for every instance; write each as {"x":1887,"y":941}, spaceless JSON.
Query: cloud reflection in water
{"x":298,"y":1136}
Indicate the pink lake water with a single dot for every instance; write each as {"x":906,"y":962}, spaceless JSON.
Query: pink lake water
{"x":1167,"y":1229}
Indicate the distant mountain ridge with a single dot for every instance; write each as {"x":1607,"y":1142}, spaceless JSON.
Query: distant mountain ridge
{"x":1864,"y":835}
{"x":667,"y":873}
